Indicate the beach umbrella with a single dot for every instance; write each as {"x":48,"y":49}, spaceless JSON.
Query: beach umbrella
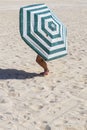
{"x":43,"y":31}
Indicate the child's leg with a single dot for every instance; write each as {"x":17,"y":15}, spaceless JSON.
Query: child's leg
{"x":43,"y":64}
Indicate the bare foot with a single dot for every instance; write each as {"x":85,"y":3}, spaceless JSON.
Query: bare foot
{"x":44,"y":73}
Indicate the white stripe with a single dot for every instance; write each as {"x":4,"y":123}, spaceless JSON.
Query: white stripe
{"x":35,"y":7}
{"x":24,"y":23}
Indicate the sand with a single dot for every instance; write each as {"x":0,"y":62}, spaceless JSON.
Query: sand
{"x":54,"y":102}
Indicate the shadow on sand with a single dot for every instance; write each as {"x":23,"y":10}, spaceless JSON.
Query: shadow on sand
{"x":16,"y":74}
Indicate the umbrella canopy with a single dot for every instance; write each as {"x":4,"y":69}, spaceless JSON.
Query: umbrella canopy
{"x":43,"y":31}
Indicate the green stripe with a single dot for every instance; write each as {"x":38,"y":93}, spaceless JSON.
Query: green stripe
{"x":21,"y":21}
{"x":28,"y":21}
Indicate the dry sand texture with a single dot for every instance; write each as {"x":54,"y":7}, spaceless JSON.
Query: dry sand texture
{"x":54,"y":102}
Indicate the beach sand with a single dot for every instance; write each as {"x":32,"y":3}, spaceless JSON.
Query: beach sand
{"x":54,"y":102}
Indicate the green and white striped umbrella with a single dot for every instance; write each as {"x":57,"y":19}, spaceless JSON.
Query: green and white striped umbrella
{"x":43,"y":31}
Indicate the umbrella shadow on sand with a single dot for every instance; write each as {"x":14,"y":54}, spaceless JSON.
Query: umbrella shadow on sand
{"x":16,"y":74}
